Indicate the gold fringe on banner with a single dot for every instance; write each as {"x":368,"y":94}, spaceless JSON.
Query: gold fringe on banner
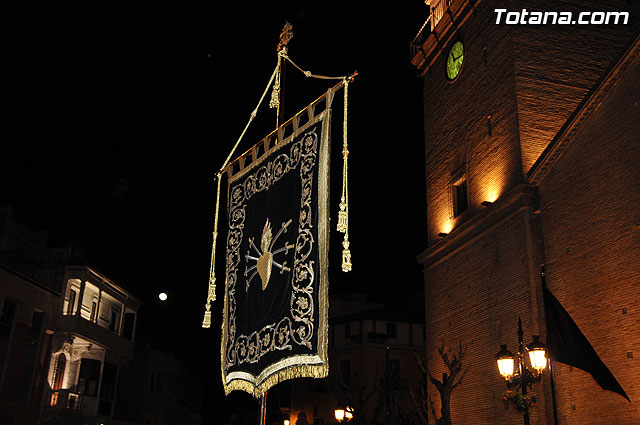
{"x":304,"y":371}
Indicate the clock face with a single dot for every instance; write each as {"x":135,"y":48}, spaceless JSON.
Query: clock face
{"x":454,"y":60}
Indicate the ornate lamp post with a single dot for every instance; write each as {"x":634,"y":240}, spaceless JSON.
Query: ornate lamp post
{"x":514,"y":370}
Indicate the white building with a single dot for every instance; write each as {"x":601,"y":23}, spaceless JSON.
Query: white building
{"x":92,"y":342}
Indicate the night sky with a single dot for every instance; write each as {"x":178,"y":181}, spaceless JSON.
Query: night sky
{"x":118,"y":117}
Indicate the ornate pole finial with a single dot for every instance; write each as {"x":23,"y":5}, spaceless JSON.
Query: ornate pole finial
{"x":277,"y":93}
{"x":285,"y":36}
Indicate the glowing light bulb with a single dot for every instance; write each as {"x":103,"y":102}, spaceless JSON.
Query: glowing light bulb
{"x":162,"y":296}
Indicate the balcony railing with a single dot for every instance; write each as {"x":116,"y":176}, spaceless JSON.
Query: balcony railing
{"x":437,"y":11}
{"x":65,"y":399}
{"x":418,"y":40}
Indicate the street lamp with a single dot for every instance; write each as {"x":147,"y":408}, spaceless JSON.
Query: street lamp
{"x":517,"y":375}
{"x":343,"y":414}
{"x":537,"y":354}
{"x":505,"y":362}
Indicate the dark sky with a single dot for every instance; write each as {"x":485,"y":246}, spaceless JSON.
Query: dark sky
{"x":118,"y":117}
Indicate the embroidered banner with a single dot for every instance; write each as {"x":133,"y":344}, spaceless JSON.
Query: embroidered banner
{"x":275,"y":308}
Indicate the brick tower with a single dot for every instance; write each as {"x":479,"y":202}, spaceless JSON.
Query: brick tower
{"x":531,"y":147}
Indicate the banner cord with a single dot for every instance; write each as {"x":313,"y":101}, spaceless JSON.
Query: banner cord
{"x":344,"y":208}
{"x":343,"y":214}
{"x":211,"y":294}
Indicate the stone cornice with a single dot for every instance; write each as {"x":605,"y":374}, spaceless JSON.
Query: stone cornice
{"x":521,"y":197}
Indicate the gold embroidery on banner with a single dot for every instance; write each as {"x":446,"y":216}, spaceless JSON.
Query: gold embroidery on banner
{"x":299,"y":328}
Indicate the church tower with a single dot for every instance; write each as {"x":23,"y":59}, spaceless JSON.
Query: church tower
{"x":531,"y":120}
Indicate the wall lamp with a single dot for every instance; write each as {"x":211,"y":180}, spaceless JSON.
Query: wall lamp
{"x":486,"y":203}
{"x":442,"y":234}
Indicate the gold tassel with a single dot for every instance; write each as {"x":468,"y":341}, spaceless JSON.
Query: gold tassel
{"x":275,"y":93}
{"x":343,"y":214}
{"x":343,"y":223}
{"x":211,"y":293}
{"x":206,"y":322}
{"x":346,"y":255}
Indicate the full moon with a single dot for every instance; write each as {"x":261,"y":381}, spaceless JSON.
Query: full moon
{"x":162,"y":296}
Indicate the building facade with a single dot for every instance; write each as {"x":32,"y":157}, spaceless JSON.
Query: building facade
{"x":157,"y":388}
{"x":530,"y":144}
{"x":374,"y":353}
{"x":93,"y":342}
{"x":27,"y":321}
{"x":67,"y":332}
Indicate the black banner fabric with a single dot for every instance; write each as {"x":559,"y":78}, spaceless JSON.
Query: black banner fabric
{"x":568,"y":345}
{"x":275,"y":312}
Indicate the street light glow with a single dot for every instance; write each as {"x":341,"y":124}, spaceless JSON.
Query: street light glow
{"x":162,"y":296}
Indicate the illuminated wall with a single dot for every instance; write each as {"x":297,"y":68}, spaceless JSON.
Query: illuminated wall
{"x":589,"y":203}
{"x":522,"y":92}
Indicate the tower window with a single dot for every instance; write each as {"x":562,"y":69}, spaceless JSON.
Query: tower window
{"x":459,"y":197}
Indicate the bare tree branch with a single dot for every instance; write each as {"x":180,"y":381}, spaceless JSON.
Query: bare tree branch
{"x":450,"y":380}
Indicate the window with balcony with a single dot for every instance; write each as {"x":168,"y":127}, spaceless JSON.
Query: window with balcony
{"x":71,"y":297}
{"x":71,"y":301}
{"x":128,"y":325}
{"x":88,"y":377}
{"x":94,"y":309}
{"x":58,"y":372}
{"x":110,"y":313}
{"x":114,"y":321}
{"x":90,"y":297}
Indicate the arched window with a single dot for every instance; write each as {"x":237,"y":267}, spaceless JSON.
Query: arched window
{"x":58,"y":373}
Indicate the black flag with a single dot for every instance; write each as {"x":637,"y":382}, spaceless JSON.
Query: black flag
{"x":567,"y":344}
